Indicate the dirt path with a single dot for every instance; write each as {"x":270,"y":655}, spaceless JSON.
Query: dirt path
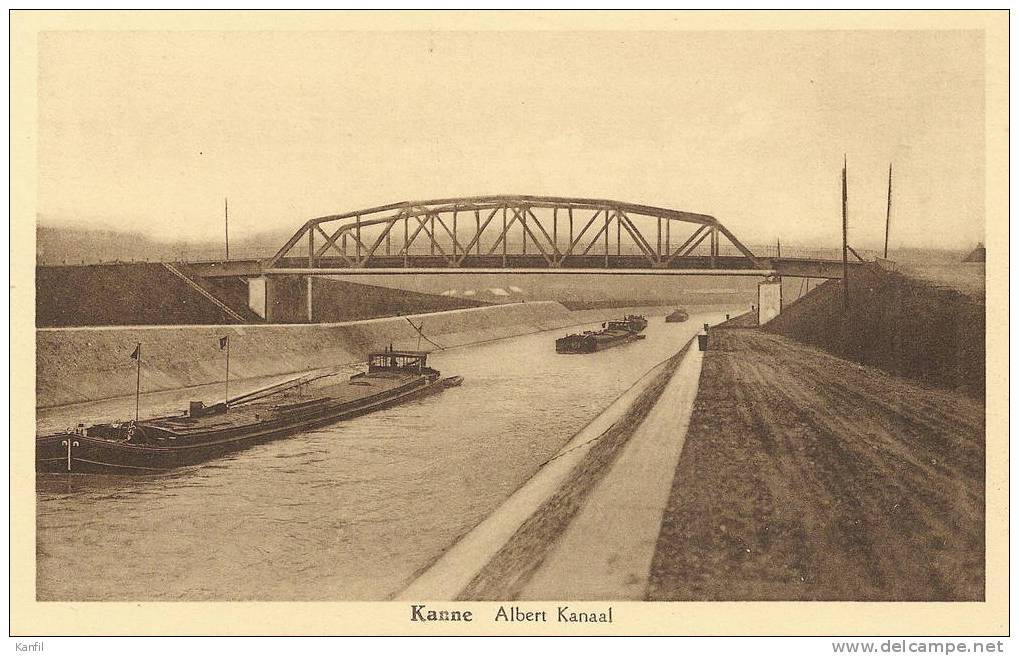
{"x":805,"y":476}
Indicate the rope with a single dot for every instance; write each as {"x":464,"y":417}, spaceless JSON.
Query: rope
{"x":418,"y":329}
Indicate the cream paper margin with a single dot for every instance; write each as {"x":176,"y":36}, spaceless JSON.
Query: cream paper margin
{"x":29,"y":617}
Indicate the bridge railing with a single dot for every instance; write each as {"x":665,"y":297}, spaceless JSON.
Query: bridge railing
{"x":216,"y":254}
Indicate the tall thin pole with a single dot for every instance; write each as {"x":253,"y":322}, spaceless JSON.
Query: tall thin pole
{"x":888,"y":214}
{"x":226,"y":391}
{"x":138,"y":383}
{"x":226,"y":225}
{"x":845,"y":238}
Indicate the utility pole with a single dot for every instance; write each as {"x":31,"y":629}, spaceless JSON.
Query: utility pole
{"x":845,"y":240}
{"x":226,"y":225}
{"x":888,"y":214}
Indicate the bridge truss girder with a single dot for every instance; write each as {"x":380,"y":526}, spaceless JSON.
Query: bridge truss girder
{"x":490,"y":231}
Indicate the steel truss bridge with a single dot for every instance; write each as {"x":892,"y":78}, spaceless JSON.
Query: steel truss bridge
{"x":525,"y":234}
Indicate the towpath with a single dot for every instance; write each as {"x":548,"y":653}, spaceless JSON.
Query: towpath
{"x":808,"y":477}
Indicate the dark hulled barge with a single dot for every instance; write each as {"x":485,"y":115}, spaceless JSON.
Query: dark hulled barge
{"x":613,"y":333}
{"x":678,"y":316}
{"x":204,"y":432}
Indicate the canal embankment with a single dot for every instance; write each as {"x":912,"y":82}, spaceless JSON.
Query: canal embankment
{"x":835,"y":455}
{"x":903,"y":325}
{"x":77,"y":365}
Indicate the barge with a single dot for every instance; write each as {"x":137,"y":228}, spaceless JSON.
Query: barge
{"x":203,"y":432}
{"x":678,"y":316}
{"x":613,"y":333}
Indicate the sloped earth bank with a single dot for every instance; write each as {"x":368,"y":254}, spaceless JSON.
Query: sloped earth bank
{"x":808,"y":477}
{"x":76,"y":365}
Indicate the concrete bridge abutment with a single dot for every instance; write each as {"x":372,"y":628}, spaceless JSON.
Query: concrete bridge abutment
{"x":769,"y":300}
{"x":281,"y":299}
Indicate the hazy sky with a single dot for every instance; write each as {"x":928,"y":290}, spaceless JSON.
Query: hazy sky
{"x":150,"y":130}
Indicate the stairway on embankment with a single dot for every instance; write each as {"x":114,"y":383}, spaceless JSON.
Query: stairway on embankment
{"x":122,"y":294}
{"x":159,"y":294}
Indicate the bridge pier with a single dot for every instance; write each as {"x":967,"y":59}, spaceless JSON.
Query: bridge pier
{"x":769,"y":299}
{"x":281,"y":299}
{"x":258,"y":295}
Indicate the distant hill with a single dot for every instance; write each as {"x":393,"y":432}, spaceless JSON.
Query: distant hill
{"x":69,"y":245}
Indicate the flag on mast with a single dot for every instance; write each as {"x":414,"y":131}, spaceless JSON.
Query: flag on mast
{"x":136,"y":354}
{"x":224,"y":343}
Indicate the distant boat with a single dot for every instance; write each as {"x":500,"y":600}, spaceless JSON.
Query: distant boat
{"x":679,"y":316}
{"x":204,"y":432}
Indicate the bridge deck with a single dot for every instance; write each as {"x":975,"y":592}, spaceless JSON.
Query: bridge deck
{"x":495,"y":264}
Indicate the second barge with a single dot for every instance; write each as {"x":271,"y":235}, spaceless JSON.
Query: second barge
{"x":613,"y":333}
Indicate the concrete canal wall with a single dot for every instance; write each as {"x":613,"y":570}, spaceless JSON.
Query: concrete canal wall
{"x":90,"y":363}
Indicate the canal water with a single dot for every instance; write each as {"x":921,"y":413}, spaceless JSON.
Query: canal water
{"x":352,"y":511}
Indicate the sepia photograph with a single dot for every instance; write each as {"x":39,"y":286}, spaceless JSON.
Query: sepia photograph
{"x":531,"y":323}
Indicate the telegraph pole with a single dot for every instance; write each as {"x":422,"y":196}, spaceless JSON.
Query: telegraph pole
{"x":226,"y":225}
{"x":845,"y":240}
{"x":888,"y":214}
